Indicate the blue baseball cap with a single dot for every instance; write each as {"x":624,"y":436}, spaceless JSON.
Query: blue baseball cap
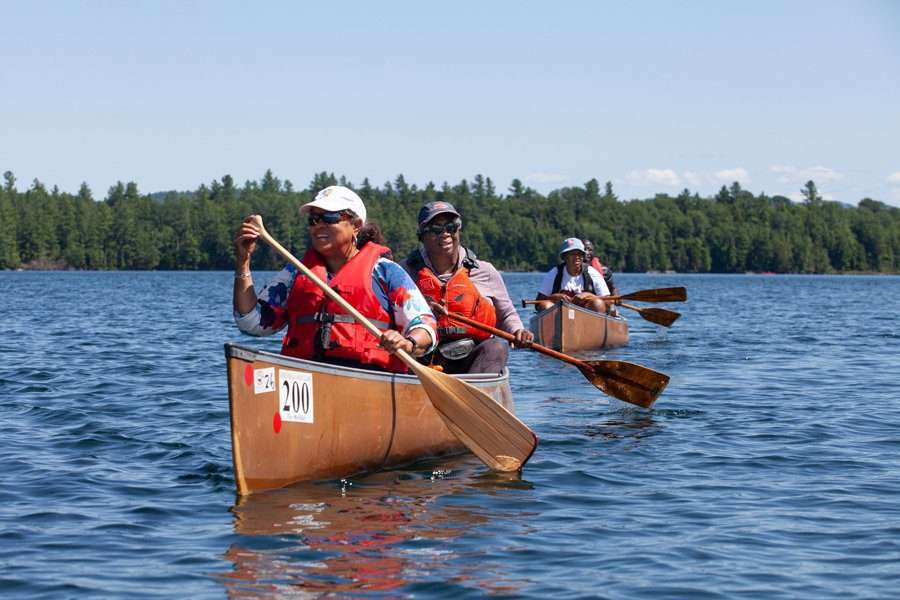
{"x":570,"y":245}
{"x":433,"y":209}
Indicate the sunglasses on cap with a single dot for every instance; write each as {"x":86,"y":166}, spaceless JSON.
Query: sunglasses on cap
{"x":451,"y":228}
{"x":329,"y":218}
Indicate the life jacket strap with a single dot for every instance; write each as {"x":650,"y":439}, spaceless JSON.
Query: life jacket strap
{"x":442,"y":331}
{"x":334,"y":318}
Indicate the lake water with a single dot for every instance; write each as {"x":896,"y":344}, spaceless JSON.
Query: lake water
{"x":769,"y":468}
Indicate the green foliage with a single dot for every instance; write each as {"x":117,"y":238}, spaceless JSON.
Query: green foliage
{"x":733,"y":232}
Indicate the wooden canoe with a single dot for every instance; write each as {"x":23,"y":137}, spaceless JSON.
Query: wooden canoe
{"x":566,"y":327}
{"x":298,"y":420}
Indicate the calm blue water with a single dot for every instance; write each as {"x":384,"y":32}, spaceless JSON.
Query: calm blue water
{"x":769,"y":468}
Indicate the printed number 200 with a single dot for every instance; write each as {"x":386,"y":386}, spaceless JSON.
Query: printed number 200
{"x":295,"y":391}
{"x":296,"y":395}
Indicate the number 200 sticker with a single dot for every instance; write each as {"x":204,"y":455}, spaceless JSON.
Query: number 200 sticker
{"x":295,"y":396}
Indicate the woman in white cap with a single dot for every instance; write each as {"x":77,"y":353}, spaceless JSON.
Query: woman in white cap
{"x":349,"y":254}
{"x":573,"y":280}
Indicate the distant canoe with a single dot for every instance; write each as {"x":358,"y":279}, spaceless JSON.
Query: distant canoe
{"x":298,"y":420}
{"x":569,"y":328}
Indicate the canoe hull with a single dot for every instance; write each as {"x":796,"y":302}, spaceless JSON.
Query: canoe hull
{"x":569,"y":328}
{"x":296,"y":420}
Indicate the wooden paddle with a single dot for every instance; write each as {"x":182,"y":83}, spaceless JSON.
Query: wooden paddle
{"x":492,"y":433}
{"x":672,"y":294}
{"x":623,"y":380}
{"x":660,"y":316}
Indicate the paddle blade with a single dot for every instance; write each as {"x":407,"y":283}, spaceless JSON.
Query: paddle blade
{"x":626,"y":381}
{"x":673,"y":294}
{"x":660,"y":316}
{"x":492,"y":433}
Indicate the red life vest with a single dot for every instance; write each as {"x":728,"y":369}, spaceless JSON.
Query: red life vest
{"x":598,"y":266}
{"x":458,"y":295}
{"x":319,"y":329}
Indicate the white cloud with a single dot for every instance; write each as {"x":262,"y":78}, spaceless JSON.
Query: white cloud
{"x":542,"y":178}
{"x":818,"y":173}
{"x":694,"y":179}
{"x":731,"y":175}
{"x":651,"y":177}
{"x":894,"y":178}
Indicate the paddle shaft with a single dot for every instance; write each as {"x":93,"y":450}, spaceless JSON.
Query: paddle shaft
{"x":510,"y":337}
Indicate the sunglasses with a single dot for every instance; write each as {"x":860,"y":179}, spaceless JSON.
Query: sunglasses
{"x":329,"y":218}
{"x":451,"y":228}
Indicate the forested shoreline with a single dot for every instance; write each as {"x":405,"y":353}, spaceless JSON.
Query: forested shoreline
{"x":734,"y":231}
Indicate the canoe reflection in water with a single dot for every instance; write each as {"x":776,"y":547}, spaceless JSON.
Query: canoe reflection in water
{"x":375,"y":535}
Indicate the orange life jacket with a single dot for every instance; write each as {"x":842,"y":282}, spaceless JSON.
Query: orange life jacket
{"x":319,"y":329}
{"x":458,"y":295}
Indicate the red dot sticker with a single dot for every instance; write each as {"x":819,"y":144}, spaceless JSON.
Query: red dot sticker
{"x":276,"y":422}
{"x":248,"y":374}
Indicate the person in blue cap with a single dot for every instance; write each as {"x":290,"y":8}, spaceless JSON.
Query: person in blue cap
{"x":449,"y":274}
{"x":573,"y":280}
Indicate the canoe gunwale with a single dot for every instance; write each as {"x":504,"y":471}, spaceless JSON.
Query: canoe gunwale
{"x":234,"y":350}
{"x":560,"y":304}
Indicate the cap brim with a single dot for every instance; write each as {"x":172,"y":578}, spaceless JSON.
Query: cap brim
{"x":440,"y":212}
{"x":326,"y":204}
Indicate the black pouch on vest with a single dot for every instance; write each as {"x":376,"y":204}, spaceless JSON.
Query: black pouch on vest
{"x":457,"y":349}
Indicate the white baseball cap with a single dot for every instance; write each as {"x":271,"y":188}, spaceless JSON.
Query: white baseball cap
{"x":335,"y":198}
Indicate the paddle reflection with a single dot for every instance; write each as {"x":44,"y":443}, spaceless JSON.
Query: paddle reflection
{"x":630,"y":426}
{"x":376,"y":535}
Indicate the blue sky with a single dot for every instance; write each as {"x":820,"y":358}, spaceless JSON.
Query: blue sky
{"x":653,"y":96}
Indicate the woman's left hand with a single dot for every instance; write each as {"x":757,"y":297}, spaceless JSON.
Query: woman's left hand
{"x":392,"y":341}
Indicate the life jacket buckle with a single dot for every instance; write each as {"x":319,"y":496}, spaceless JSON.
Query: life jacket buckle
{"x":457,"y":349}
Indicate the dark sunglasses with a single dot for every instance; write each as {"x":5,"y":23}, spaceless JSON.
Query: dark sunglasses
{"x":451,"y":228}
{"x":329,"y":218}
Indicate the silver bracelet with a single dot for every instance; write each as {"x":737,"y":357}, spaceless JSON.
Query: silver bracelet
{"x":246,"y":275}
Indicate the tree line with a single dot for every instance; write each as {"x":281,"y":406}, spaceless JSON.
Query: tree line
{"x":732,"y":232}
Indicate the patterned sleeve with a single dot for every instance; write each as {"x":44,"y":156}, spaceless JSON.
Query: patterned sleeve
{"x":270,"y":313}
{"x":398,"y":293}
